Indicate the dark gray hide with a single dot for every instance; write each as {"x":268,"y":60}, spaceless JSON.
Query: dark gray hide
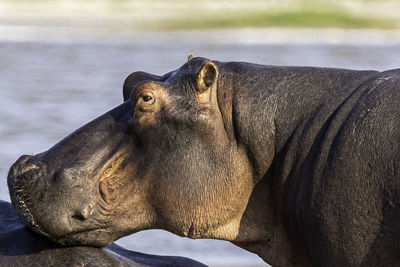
{"x":20,"y":246}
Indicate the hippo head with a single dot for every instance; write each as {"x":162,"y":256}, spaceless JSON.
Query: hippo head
{"x":167,"y":158}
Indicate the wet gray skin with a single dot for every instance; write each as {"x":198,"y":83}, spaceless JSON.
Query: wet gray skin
{"x":296,"y":164}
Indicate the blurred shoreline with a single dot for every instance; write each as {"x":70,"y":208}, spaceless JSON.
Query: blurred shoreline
{"x":245,"y":36}
{"x":342,"y":22}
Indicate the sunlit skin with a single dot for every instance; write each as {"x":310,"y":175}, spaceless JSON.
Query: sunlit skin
{"x":286,"y":162}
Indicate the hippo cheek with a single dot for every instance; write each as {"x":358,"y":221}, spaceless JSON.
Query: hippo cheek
{"x":107,"y":220}
{"x":127,"y":200}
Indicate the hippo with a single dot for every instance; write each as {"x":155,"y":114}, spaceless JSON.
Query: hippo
{"x":299,"y":165}
{"x":20,"y":246}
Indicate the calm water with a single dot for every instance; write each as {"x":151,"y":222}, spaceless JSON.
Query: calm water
{"x":48,"y":89}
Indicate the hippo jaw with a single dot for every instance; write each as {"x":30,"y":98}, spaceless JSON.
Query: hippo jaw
{"x":98,"y":221}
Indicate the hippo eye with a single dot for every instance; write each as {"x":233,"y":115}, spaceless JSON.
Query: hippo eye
{"x":147,"y":98}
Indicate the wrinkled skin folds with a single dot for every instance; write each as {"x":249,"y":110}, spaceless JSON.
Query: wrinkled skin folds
{"x":297,"y":164}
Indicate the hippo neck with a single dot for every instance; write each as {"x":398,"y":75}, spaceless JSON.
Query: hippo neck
{"x":266,"y":107}
{"x":276,"y":115}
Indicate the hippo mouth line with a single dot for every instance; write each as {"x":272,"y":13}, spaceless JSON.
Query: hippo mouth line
{"x":65,"y":239}
{"x":59,"y":238}
{"x":19,"y":200}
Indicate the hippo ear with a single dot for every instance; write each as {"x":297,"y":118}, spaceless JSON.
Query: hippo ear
{"x":206,"y":77}
{"x":190,"y":56}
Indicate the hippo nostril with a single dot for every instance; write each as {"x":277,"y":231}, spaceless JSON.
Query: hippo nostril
{"x":29,"y":167}
{"x":57,"y":174}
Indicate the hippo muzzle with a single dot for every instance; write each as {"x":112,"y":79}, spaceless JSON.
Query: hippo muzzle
{"x":62,"y":193}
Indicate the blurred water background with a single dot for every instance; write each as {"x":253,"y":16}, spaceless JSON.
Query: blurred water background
{"x":63,"y":63}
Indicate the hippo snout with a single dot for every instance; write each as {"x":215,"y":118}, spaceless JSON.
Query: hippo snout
{"x":36,"y":186}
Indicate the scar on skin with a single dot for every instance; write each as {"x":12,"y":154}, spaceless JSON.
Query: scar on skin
{"x":28,"y":168}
